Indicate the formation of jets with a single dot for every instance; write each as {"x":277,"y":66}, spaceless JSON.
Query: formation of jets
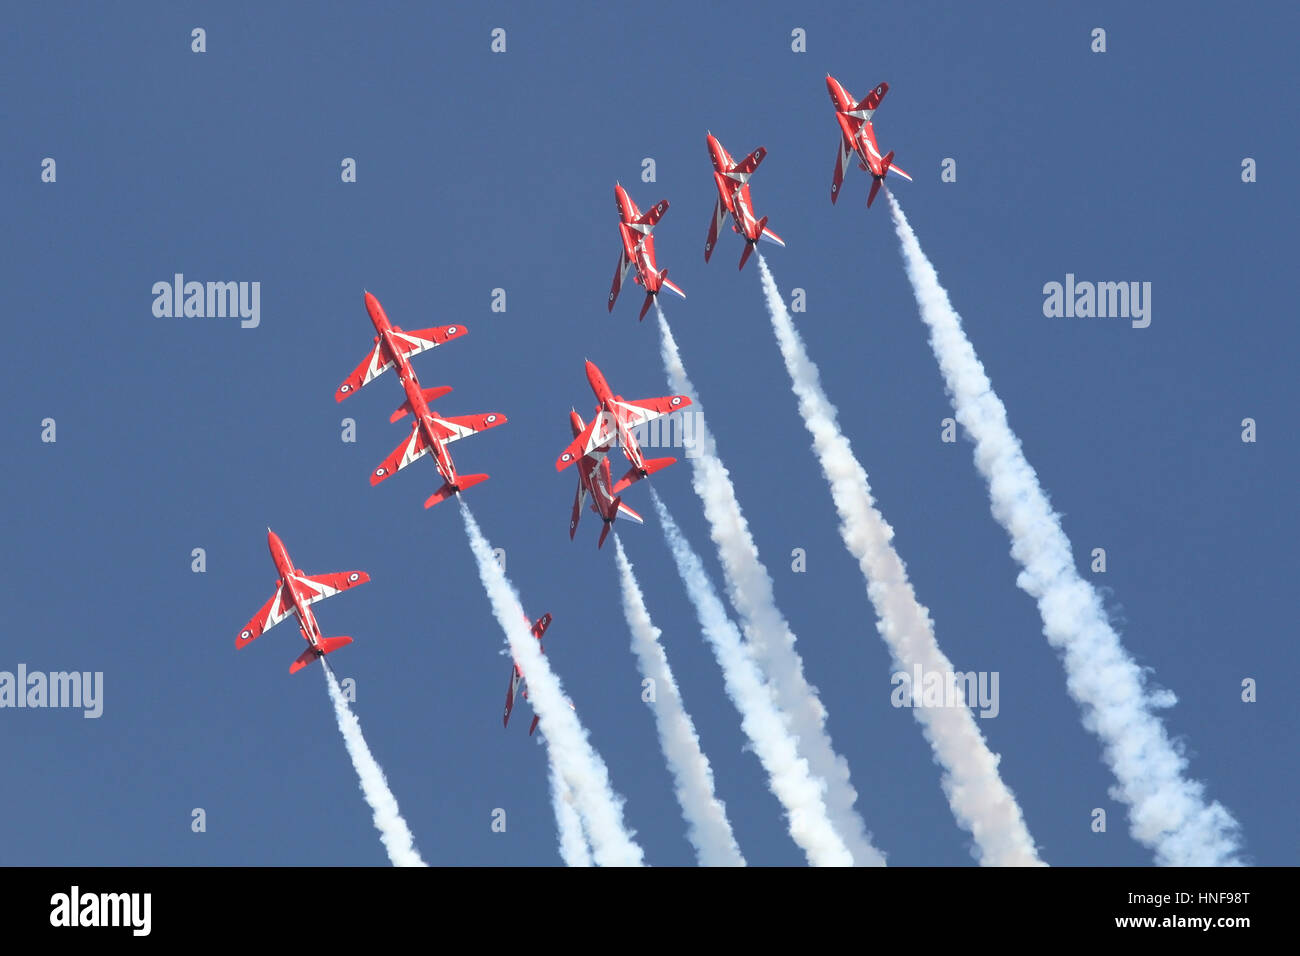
{"x":615,"y":419}
{"x":594,"y":481}
{"x":429,"y":432}
{"x":636,"y":229}
{"x":295,"y":591}
{"x":613,"y":424}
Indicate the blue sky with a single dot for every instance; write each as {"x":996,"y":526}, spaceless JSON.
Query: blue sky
{"x":479,"y":171}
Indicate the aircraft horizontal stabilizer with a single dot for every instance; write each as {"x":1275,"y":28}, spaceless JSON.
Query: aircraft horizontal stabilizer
{"x":430,"y":395}
{"x":446,"y":491}
{"x":652,"y":465}
{"x":327,"y":645}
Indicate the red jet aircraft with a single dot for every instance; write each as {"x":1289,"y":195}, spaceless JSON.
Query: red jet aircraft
{"x":295,"y":592}
{"x":517,"y":675}
{"x":614,"y":421}
{"x":732,"y":180}
{"x":856,"y":135}
{"x":594,"y":479}
{"x":393,"y":347}
{"x":430,"y":433}
{"x":636,"y":230}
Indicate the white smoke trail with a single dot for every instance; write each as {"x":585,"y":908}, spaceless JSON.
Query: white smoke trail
{"x":708,"y":829}
{"x":388,"y":818}
{"x":788,"y":776}
{"x":579,"y":765}
{"x":770,"y":639}
{"x":1167,"y":812}
{"x":573,"y":843}
{"x":979,"y":799}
